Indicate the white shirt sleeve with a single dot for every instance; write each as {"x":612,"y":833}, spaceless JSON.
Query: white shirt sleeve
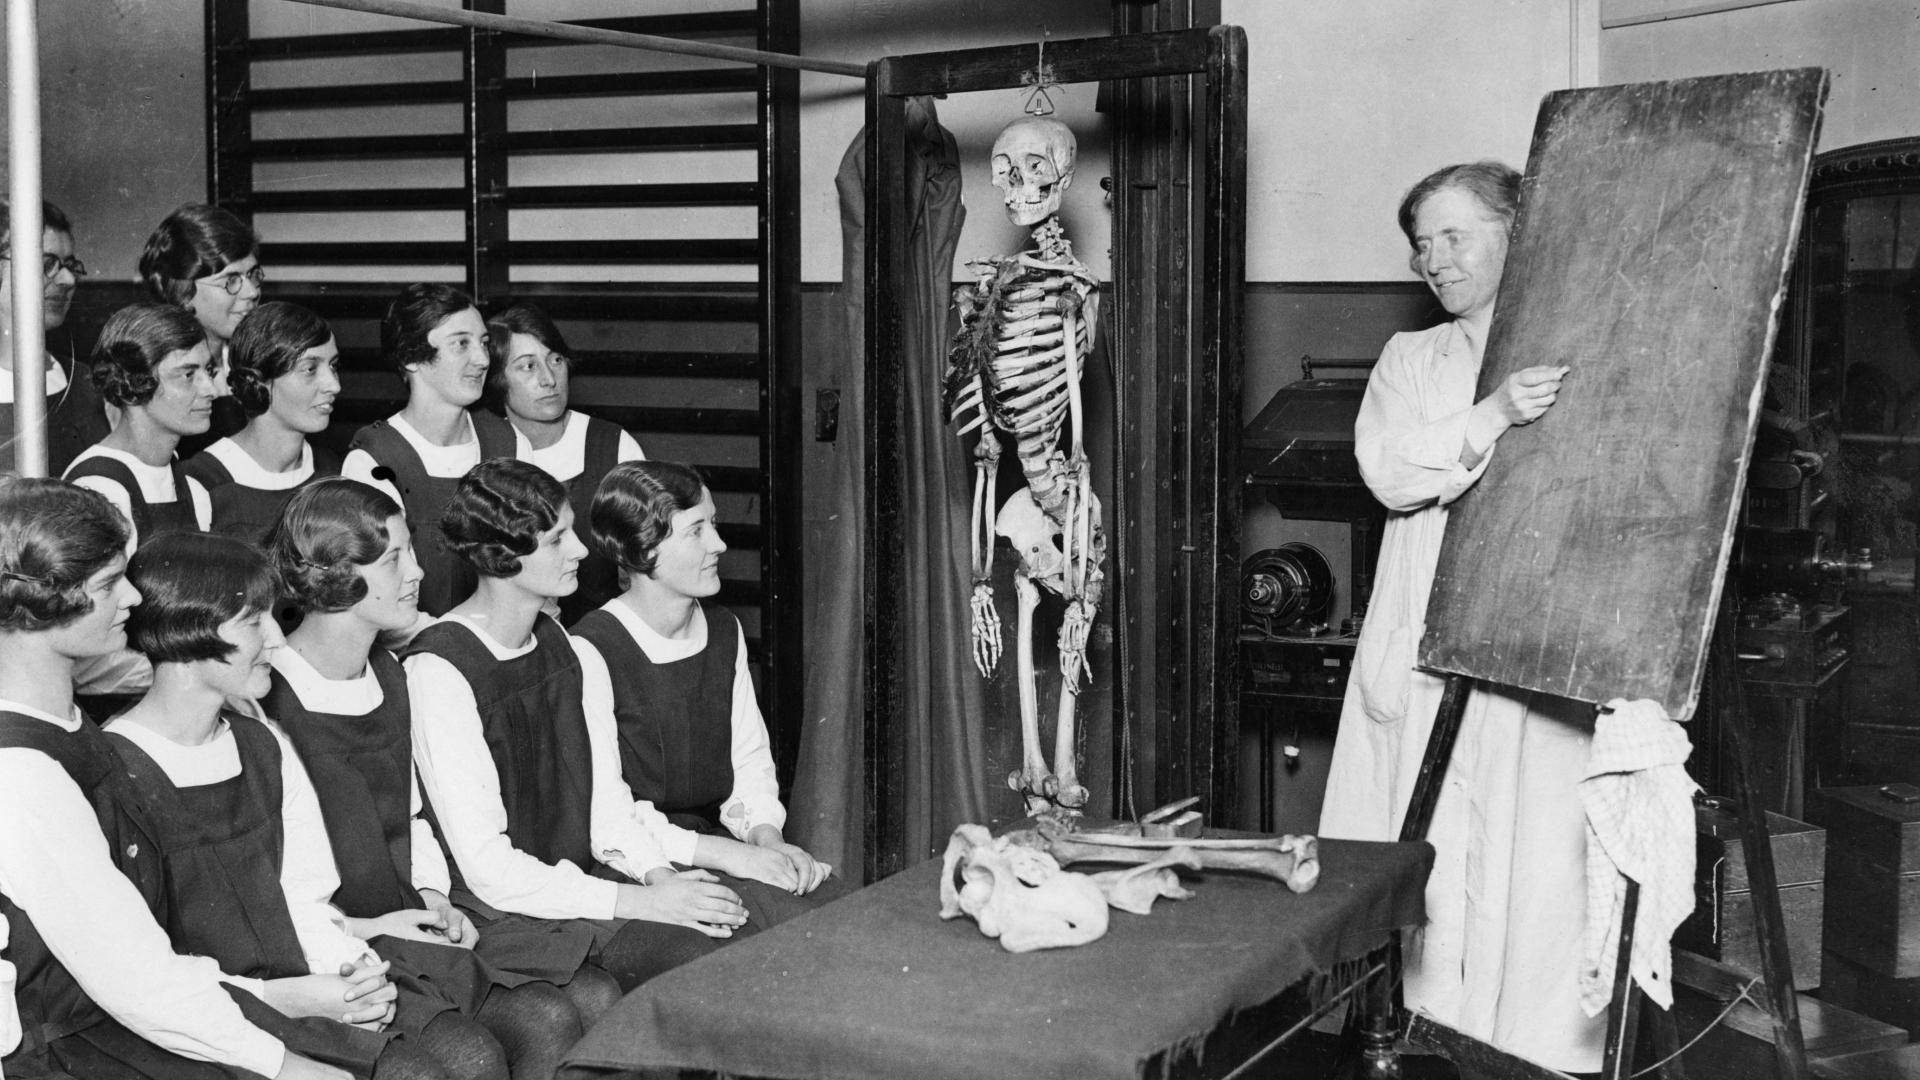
{"x":202,"y":504}
{"x":458,"y":776}
{"x":308,"y":875}
{"x":629,"y":449}
{"x":121,"y":501}
{"x":54,"y":865}
{"x":1407,"y":461}
{"x":629,"y":835}
{"x":756,"y":787}
{"x":9,"y":1010}
{"x":429,"y":862}
{"x":360,"y":465}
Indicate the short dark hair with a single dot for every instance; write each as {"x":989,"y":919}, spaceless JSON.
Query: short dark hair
{"x":519,"y":317}
{"x":328,"y":530}
{"x":416,"y":312}
{"x":132,"y":345}
{"x":633,"y":510}
{"x":265,"y":346}
{"x":1494,"y":183}
{"x":53,"y":537}
{"x":195,"y":241}
{"x":51,"y":217}
{"x":191,"y":583}
{"x":498,"y":513}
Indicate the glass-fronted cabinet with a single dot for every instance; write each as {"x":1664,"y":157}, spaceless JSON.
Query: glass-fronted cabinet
{"x":1845,"y":393}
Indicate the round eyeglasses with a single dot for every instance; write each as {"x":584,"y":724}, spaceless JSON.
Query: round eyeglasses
{"x":231,"y":282}
{"x":51,"y":264}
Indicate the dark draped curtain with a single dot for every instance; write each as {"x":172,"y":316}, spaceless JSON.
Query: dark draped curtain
{"x":942,"y":727}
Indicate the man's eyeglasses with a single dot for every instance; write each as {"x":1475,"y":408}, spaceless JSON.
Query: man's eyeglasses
{"x":51,"y":264}
{"x":231,"y":282}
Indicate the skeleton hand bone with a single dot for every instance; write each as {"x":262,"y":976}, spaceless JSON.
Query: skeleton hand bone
{"x":985,"y":628}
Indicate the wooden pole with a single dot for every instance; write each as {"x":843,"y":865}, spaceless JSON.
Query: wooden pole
{"x":29,"y":286}
{"x":592,"y":35}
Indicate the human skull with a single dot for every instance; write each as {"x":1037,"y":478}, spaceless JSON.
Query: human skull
{"x":1018,"y":894}
{"x":1032,"y":167}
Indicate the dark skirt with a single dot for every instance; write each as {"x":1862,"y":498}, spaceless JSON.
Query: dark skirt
{"x":329,"y":1042}
{"x":520,"y":948}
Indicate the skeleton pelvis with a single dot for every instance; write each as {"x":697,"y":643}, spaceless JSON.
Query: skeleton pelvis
{"x":1036,"y":535}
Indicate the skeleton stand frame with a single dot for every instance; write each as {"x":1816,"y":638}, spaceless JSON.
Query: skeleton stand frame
{"x":1180,"y":573}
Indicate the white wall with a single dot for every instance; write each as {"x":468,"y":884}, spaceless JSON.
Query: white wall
{"x":122,"y":115}
{"x":1872,"y":47}
{"x":1354,"y":101}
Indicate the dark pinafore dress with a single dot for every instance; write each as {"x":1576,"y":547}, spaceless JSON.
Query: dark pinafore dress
{"x":448,"y":579}
{"x":599,"y":577}
{"x":362,"y":769}
{"x":222,"y":845}
{"x":62,"y":1030}
{"x":246,"y":513}
{"x":676,"y":741}
{"x":149,"y":519}
{"x":536,"y":732}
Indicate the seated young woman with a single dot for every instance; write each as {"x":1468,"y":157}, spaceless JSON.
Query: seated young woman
{"x":344,"y":556}
{"x":529,"y":384}
{"x":434,"y":339}
{"x":529,"y":802}
{"x":283,"y":367}
{"x":152,"y":365}
{"x":666,"y":678}
{"x":249,"y":868}
{"x":102,"y":993}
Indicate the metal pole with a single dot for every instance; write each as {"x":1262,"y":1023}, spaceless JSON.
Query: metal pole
{"x":29,"y":288}
{"x":592,"y":35}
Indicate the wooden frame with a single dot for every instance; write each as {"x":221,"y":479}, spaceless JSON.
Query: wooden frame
{"x":1182,"y":376}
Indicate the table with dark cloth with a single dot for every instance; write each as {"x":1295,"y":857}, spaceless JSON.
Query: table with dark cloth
{"x":877,"y":986}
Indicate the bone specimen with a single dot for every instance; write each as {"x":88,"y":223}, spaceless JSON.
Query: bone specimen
{"x":1018,"y":894}
{"x":1135,"y":890}
{"x":1293,"y":860}
{"x":1014,"y":370}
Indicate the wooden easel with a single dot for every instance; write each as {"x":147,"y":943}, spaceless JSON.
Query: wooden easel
{"x":1649,"y":255}
{"x":1624,"y":1014}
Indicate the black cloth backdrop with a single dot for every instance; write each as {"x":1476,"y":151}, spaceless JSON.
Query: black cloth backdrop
{"x":942,"y":727}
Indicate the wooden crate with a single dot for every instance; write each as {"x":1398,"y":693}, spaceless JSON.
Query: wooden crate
{"x":1873,"y":864}
{"x":1721,"y":926}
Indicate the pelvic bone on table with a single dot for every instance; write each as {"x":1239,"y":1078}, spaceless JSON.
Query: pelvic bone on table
{"x":1014,"y":369}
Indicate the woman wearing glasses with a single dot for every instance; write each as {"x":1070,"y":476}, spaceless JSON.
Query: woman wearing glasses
{"x":206,"y":260}
{"x":75,"y":419}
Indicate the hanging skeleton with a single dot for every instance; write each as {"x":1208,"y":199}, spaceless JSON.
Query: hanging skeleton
{"x":1014,"y":369}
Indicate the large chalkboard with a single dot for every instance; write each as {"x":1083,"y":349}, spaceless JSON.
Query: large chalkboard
{"x":1656,"y":225}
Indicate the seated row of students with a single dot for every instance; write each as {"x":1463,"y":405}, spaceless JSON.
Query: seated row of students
{"x":538,"y":769}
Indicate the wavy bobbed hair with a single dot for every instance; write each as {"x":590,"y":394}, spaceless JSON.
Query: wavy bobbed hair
{"x":191,"y":583}
{"x":416,"y":312}
{"x":498,"y":514}
{"x":53,"y":537}
{"x":1494,"y":183}
{"x":266,"y":345}
{"x":195,"y":241}
{"x":330,"y":529}
{"x":632,"y":512}
{"x":132,"y":345}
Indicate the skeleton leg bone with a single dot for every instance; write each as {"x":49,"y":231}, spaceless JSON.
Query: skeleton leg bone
{"x":1033,"y":780}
